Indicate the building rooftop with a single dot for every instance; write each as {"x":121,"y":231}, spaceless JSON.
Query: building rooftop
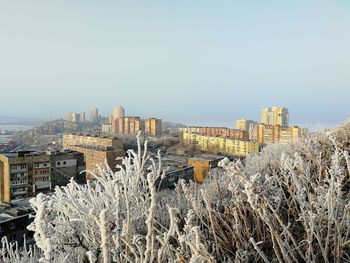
{"x":57,"y":153}
{"x":208,"y":157}
{"x":15,"y":209}
{"x":171,"y":165}
{"x":97,"y":148}
{"x":22,"y":154}
{"x":174,"y":158}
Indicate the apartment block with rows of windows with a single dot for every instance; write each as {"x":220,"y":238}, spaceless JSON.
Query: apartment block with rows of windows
{"x":23,"y":174}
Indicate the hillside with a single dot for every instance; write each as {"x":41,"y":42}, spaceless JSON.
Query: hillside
{"x":289,"y":203}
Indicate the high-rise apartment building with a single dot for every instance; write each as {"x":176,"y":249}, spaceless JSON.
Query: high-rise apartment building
{"x":153,"y":127}
{"x":82,"y":117}
{"x":94,"y":115}
{"x":75,"y":117}
{"x":265,"y":134}
{"x":110,"y":119}
{"x":275,"y":116}
{"x":126,"y":125}
{"x":118,"y":112}
{"x":106,"y":129}
{"x":245,"y":125}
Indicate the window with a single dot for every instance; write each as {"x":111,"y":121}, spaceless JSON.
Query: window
{"x":18,"y":166}
{"x":42,"y":179}
{"x":41,"y":172}
{"x":41,"y":164}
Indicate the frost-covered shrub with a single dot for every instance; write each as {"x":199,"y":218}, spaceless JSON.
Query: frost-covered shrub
{"x":116,"y":218}
{"x":289,"y":203}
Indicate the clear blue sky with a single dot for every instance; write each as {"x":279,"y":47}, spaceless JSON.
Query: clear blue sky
{"x":197,"y":62}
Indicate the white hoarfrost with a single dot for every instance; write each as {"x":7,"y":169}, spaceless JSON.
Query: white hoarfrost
{"x":290,"y":203}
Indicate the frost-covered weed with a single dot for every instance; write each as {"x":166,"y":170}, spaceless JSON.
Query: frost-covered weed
{"x":290,"y":203}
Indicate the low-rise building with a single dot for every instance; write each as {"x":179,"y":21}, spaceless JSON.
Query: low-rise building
{"x":14,"y":219}
{"x":202,"y":166}
{"x":98,"y":151}
{"x":66,"y":165}
{"x":173,"y":172}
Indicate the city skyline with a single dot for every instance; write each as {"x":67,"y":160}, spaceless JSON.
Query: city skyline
{"x":314,"y":126}
{"x":183,"y":62}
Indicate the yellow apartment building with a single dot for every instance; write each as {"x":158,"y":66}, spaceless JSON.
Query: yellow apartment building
{"x":221,"y":145}
{"x":153,"y":127}
{"x":275,"y":116}
{"x":265,"y":134}
{"x":244,"y":125}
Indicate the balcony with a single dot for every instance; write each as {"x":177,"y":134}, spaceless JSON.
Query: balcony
{"x":42,"y":165}
{"x":41,"y":185}
{"x":41,"y":171}
{"x":19,"y":170}
{"x":19,"y":192}
{"x":19,"y":182}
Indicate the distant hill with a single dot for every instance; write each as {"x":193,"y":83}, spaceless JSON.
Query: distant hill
{"x":9,"y":120}
{"x":172,"y":125}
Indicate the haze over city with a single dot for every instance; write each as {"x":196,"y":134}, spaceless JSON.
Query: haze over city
{"x":174,"y":131}
{"x":191,"y":62}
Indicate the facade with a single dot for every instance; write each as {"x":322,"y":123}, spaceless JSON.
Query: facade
{"x":94,"y":115}
{"x":24,"y":174}
{"x":82,"y":117}
{"x":66,"y":165}
{"x":245,"y":125}
{"x":220,"y":145}
{"x":265,"y":134}
{"x":98,"y":151}
{"x":107,"y":129}
{"x":75,"y":117}
{"x":202,"y":166}
{"x":153,"y":127}
{"x":275,"y":116}
{"x":110,"y":119}
{"x":217,"y":132}
{"x":118,"y":112}
{"x":126,"y":125}
{"x":70,"y":126}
